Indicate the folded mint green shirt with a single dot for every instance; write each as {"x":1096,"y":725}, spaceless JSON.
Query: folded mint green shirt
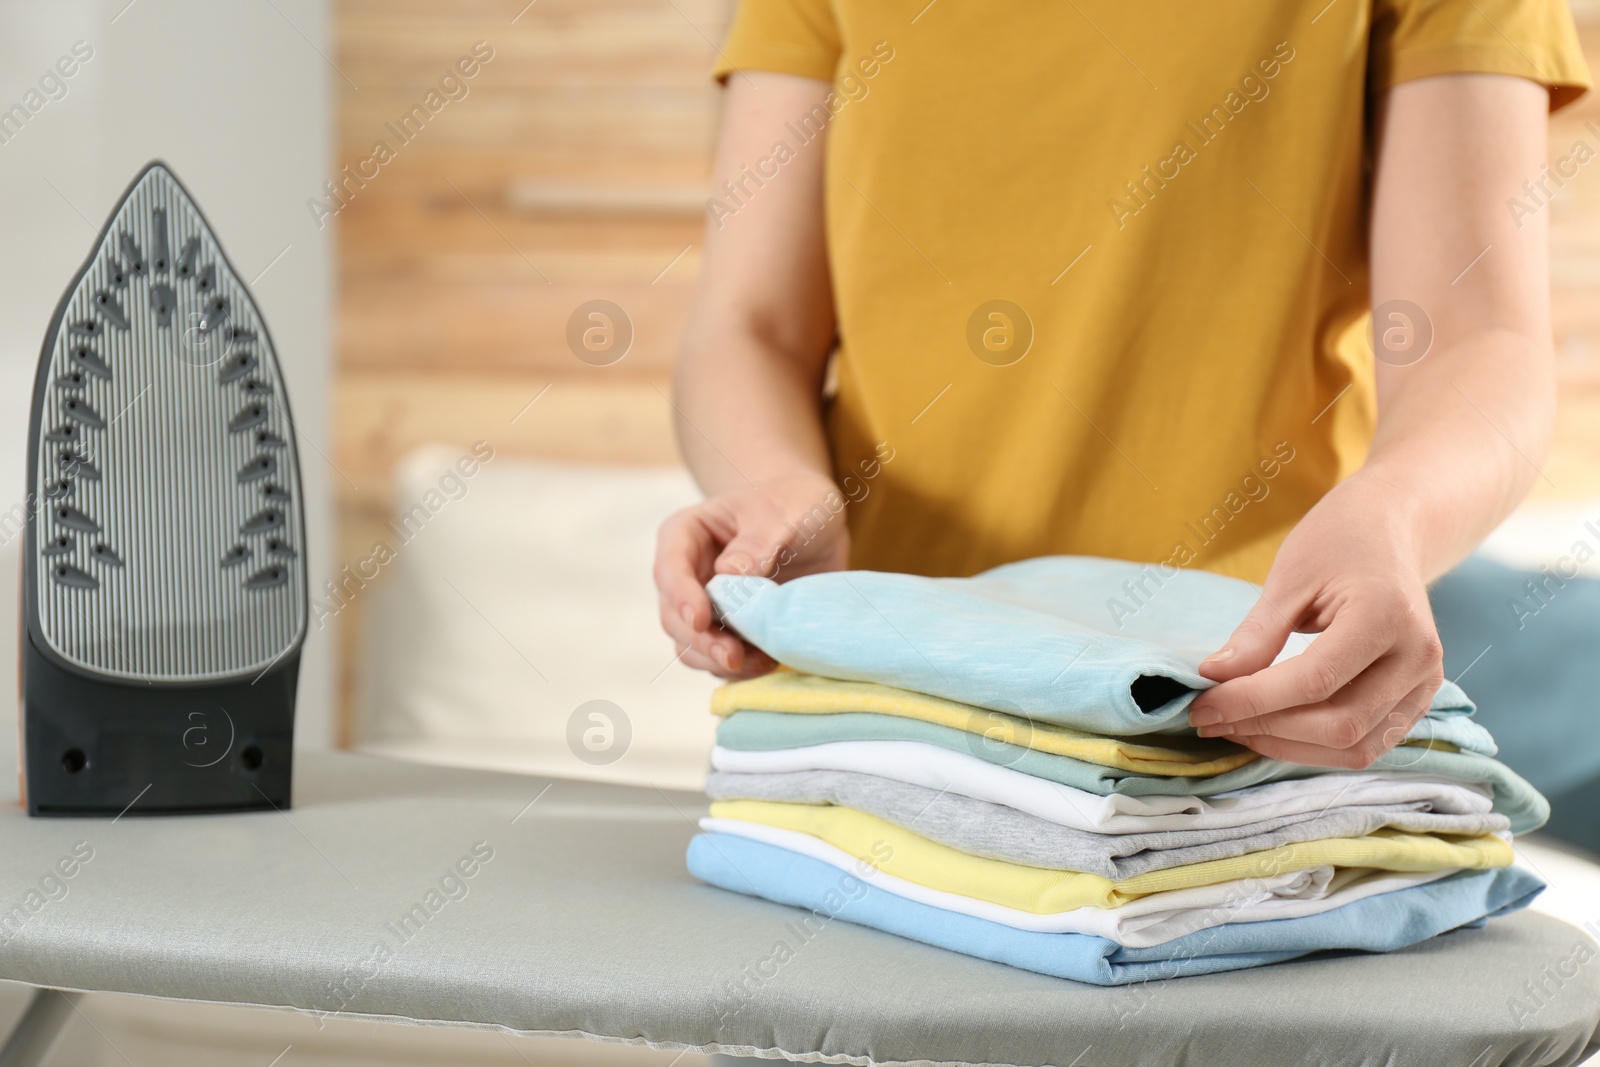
{"x":1100,"y":645}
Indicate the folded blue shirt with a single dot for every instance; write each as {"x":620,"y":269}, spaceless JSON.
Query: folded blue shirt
{"x":765,"y":731}
{"x":1377,"y":924}
{"x":1101,"y":645}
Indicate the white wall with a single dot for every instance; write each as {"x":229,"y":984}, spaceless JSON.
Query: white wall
{"x":237,"y":97}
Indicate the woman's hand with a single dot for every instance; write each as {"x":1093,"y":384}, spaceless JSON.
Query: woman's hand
{"x":1351,"y":572}
{"x":1462,"y":427}
{"x":783,"y":529}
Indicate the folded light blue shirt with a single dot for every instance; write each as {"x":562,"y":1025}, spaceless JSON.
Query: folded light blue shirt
{"x":1101,"y":645}
{"x":1382,"y":923}
{"x":765,"y":731}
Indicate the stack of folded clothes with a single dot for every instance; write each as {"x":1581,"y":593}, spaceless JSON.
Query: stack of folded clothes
{"x":1002,"y":765}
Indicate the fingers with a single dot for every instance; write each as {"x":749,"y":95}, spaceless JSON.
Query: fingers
{"x":1340,"y":722}
{"x":748,"y":553}
{"x":756,"y":545}
{"x":1380,"y":739}
{"x":689,"y":657}
{"x":685,"y":548}
{"x":1354,"y":727}
{"x":754,"y":663}
{"x":1398,"y":723}
{"x":1357,"y":757}
{"x":1349,"y":646}
{"x":709,"y":647}
{"x":686,"y":551}
{"x":712,"y":648}
{"x":1255,"y":642}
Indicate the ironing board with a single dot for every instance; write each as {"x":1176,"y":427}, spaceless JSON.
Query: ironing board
{"x":577,"y":918}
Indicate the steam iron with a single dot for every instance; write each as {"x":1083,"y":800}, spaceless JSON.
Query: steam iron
{"x":164,"y":573}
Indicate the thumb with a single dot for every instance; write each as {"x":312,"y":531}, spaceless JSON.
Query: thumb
{"x":757,"y":548}
{"x":1255,"y":642}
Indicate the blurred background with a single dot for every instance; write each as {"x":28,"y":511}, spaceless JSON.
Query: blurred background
{"x":474,"y":228}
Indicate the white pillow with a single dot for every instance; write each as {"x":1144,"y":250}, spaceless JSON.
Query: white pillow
{"x":1563,"y":534}
{"x":516,"y":592}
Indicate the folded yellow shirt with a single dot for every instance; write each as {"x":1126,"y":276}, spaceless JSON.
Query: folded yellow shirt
{"x":1045,"y":892}
{"x":1174,"y":755}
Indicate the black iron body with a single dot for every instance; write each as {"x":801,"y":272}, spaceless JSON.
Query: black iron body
{"x":98,"y":744}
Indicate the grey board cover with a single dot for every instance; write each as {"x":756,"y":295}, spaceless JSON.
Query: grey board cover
{"x":584,"y":922}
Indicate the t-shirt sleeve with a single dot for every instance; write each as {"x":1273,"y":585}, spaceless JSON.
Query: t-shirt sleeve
{"x":787,"y":36}
{"x":1532,"y":39}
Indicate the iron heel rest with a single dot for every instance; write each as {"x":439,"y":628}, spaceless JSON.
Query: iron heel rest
{"x":164,"y":572}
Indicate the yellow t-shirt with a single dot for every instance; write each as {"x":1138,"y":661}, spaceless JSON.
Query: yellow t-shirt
{"x":898,"y":851}
{"x":1101,"y":271}
{"x":795,"y":693}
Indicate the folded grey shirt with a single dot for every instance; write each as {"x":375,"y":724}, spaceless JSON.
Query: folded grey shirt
{"x":1002,"y":833}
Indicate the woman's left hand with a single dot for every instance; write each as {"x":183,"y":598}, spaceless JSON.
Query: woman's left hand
{"x":1349,"y":571}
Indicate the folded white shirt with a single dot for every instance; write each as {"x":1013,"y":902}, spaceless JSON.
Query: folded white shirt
{"x":940,"y":768}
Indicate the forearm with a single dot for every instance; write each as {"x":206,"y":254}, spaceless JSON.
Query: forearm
{"x":1463,"y":426}
{"x":1460,"y":444}
{"x":748,"y":385}
{"x":747,"y":414}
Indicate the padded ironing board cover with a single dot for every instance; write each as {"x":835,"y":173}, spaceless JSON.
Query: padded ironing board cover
{"x":579,"y":918}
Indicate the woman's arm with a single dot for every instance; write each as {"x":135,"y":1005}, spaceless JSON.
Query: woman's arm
{"x":1461,"y":433}
{"x":748,"y":388}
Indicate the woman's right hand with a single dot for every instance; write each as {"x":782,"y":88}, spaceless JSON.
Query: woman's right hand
{"x":782,"y":529}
